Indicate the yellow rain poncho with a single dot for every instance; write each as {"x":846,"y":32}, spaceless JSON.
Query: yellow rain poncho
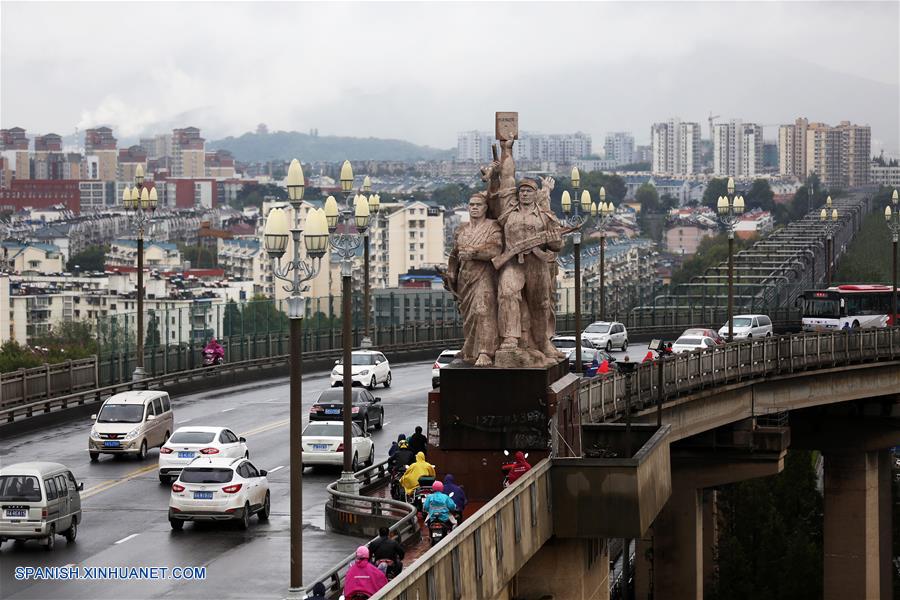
{"x":420,"y":468}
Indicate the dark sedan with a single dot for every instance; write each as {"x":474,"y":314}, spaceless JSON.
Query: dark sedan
{"x":367,"y":409}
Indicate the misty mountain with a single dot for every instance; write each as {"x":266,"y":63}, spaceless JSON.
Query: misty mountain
{"x":285,"y":145}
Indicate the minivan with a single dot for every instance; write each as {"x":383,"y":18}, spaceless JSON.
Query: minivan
{"x":131,"y":423}
{"x":748,"y":326}
{"x":39,"y":500}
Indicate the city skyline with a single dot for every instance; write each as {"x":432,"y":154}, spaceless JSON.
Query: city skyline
{"x":204,"y":78}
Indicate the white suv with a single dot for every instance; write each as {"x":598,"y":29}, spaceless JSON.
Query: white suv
{"x":607,"y":335}
{"x":367,"y":368}
{"x":219,"y":489}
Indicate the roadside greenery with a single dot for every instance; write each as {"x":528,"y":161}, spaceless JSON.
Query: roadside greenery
{"x":70,"y":340}
{"x":91,"y":258}
{"x":868,"y":259}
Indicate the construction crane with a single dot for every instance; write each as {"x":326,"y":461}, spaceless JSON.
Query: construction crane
{"x":712,"y":118}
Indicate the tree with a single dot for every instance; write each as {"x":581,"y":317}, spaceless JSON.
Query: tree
{"x":760,"y":195}
{"x":253,"y":195}
{"x":638,"y":166}
{"x":711,"y":251}
{"x":200,"y":256}
{"x":648,"y":198}
{"x":714,"y":189}
{"x":667,"y":202}
{"x":151,"y":340}
{"x":92,"y":258}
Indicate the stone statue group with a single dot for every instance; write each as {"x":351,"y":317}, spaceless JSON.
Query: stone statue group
{"x":502,"y":269}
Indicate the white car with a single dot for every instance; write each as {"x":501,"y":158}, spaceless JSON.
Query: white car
{"x":748,"y":326}
{"x":688,"y":343}
{"x":368,"y":368}
{"x":187,"y":443}
{"x":322,"y":444}
{"x":219,"y":489}
{"x":442,"y":361}
{"x":607,"y":335}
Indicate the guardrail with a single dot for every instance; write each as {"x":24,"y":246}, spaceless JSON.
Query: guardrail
{"x":406,"y":528}
{"x":24,"y":411}
{"x":48,"y":380}
{"x":603,"y":397}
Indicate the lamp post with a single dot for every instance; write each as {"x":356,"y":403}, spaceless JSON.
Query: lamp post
{"x":354,"y":215}
{"x":296,"y":273}
{"x":892,"y":216}
{"x":829,"y":216}
{"x":141,"y":204}
{"x":730,"y":207}
{"x":573,"y":218}
{"x":605,"y":212}
{"x":374,"y":201}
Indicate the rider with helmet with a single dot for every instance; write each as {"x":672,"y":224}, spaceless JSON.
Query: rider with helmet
{"x":438,"y":505}
{"x":363,"y":579}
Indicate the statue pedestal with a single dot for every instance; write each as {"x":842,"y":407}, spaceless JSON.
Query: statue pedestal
{"x":476,"y":413}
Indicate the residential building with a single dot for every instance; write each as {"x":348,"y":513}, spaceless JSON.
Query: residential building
{"x":552,"y":148}
{"x":643,"y":154}
{"x":474,"y":146}
{"x":6,"y":172}
{"x":245,"y":259}
{"x":188,"y":153}
{"x":823,"y":153}
{"x":100,"y":142}
{"x":159,"y":146}
{"x":220,"y":164}
{"x":684,"y":238}
{"x":856,"y":148}
{"x":14,"y":147}
{"x":96,"y":195}
{"x":753,"y":224}
{"x":840,"y":155}
{"x":28,"y":258}
{"x":675,"y":147}
{"x":405,"y":237}
{"x":39,"y":193}
{"x":129,"y":160}
{"x":737,"y":149}
{"x":157,"y":255}
{"x":792,"y":149}
{"x":619,"y":147}
{"x":586,"y":165}
{"x":884,"y":175}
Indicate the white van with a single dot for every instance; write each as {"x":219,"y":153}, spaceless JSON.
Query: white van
{"x":131,"y":423}
{"x":749,"y":326}
{"x":39,"y":500}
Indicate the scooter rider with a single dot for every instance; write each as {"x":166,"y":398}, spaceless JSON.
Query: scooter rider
{"x":362,"y":576}
{"x":520,"y":467}
{"x":420,"y":468}
{"x":402,"y":458}
{"x":438,"y":505}
{"x":386,"y":547}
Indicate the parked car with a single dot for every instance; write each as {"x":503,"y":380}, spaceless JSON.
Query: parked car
{"x":323,"y":445}
{"x":702,"y":332}
{"x":131,"y":423}
{"x":607,"y":335}
{"x":367,"y":409}
{"x":749,"y":326}
{"x":187,"y":443}
{"x":442,"y":361}
{"x":40,"y":500}
{"x":368,"y":368}
{"x":219,"y":489}
{"x":687,"y":343}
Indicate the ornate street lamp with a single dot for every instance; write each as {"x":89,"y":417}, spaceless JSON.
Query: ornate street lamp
{"x":374,"y":201}
{"x":575,"y":218}
{"x":296,"y":273}
{"x":140,"y":204}
{"x":354,"y":221}
{"x":829,"y":217}
{"x":605,"y":211}
{"x":892,"y":216}
{"x":730,"y":208}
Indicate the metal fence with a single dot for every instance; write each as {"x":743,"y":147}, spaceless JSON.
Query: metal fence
{"x":47,"y":381}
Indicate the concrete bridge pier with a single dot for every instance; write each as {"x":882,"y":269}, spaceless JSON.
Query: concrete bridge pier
{"x":684,"y":534}
{"x":566,"y":569}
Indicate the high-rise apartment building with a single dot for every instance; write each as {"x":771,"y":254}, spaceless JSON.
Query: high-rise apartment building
{"x":473,"y":146}
{"x":48,"y":160}
{"x":158,"y":146}
{"x":675,"y":147}
{"x":220,"y":164}
{"x":129,"y":160}
{"x":14,"y":147}
{"x":100,"y":142}
{"x":619,"y":147}
{"x":188,"y":153}
{"x":737,"y":149}
{"x":840,"y":155}
{"x":405,"y":236}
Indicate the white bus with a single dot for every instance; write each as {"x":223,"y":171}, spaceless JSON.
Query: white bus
{"x":847,"y":307}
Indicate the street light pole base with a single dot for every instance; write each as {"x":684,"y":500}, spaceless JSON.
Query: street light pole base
{"x":366,"y":342}
{"x":348,"y":484}
{"x":138,"y":374}
{"x":296,"y":593}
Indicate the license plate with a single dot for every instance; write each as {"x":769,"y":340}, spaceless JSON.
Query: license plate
{"x":16,"y":513}
{"x":203,"y":495}
{"x":112,"y":444}
{"x":332,"y":411}
{"x":435,"y":534}
{"x":185,"y":455}
{"x":320,"y":446}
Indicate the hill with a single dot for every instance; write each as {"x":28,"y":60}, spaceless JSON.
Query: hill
{"x":286,"y":145}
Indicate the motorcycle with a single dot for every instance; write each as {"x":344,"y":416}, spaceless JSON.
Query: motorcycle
{"x":388,"y":567}
{"x":211,"y":357}
{"x":509,"y":462}
{"x":397,"y":489}
{"x":438,"y":530}
{"x":423,"y":489}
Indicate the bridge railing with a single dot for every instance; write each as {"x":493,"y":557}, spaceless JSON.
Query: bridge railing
{"x":406,"y":527}
{"x":603,"y":397}
{"x":47,"y":381}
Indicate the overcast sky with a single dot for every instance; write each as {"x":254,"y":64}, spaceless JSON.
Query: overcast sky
{"x":424,"y":71}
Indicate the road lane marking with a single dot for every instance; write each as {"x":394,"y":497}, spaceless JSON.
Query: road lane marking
{"x":263,"y":428}
{"x":184,"y":421}
{"x":111,"y":483}
{"x":275,"y":469}
{"x":228,"y":409}
{"x":385,"y":423}
{"x":125,"y":539}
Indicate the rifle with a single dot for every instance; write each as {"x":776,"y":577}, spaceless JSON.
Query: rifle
{"x":528,"y":244}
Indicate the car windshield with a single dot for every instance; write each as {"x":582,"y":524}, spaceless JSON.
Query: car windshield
{"x":563,"y":343}
{"x":597,"y":328}
{"x":323,"y":430}
{"x":741,"y":322}
{"x":360,"y":359}
{"x":19,"y":488}
{"x":700,"y":332}
{"x":121,"y":413}
{"x":336,"y":396}
{"x":446,"y":357}
{"x":206,"y":475}
{"x":688,"y":341}
{"x":192,"y":437}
